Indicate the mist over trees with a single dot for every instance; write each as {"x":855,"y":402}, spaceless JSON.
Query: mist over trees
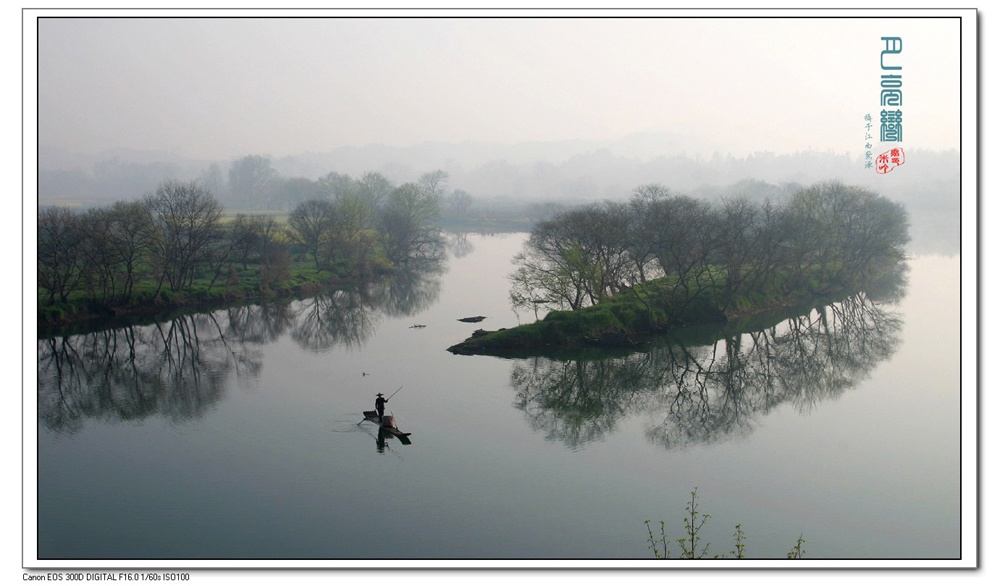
{"x":560,"y":172}
{"x":494,"y":188}
{"x":176,"y":239}
{"x":728,"y":253}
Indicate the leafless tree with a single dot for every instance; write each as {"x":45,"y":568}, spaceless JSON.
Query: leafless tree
{"x":185,"y":228}
{"x":311,"y":224}
{"x":249,"y":180}
{"x":60,"y":258}
{"x":406,"y":221}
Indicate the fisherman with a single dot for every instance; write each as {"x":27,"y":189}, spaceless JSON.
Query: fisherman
{"x":380,"y":405}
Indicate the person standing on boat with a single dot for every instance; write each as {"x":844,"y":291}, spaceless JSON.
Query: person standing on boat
{"x":380,"y":405}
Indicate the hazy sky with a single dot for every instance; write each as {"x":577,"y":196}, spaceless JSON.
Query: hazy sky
{"x":225,"y":87}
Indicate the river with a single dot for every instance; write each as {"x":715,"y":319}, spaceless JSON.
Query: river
{"x":235,"y":435}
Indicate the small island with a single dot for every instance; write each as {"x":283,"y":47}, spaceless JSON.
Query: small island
{"x":613,"y":274}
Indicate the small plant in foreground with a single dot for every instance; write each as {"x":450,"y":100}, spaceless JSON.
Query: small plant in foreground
{"x":797,"y":552}
{"x":690,"y":544}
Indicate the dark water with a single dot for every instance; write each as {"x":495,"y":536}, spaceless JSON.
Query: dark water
{"x":235,"y":434}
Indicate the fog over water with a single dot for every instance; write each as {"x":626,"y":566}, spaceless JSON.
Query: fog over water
{"x":549,"y":111}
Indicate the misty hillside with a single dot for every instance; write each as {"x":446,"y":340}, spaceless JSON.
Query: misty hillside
{"x":551,"y":171}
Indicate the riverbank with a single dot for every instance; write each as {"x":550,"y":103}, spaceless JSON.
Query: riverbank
{"x":85,"y":314}
{"x":629,"y":319}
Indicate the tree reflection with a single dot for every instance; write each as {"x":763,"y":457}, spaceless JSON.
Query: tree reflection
{"x":410,"y":290}
{"x":260,"y":324}
{"x":345,"y":318}
{"x":700,"y":392}
{"x":179,"y":368}
{"x":174,"y":369}
{"x":349,"y":317}
{"x":457,"y":244}
{"x":577,"y":401}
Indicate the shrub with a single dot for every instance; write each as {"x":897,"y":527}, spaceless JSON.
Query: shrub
{"x":690,"y":543}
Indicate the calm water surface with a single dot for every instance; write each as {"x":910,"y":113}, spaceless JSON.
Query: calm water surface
{"x":235,"y":434}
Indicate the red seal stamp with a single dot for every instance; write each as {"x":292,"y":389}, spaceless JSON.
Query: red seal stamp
{"x":889,"y":160}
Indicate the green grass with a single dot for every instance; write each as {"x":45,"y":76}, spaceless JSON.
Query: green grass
{"x":240,"y":285}
{"x":649,"y":308}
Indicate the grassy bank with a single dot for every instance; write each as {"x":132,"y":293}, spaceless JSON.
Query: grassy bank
{"x":653,"y":308}
{"x":82,"y":312}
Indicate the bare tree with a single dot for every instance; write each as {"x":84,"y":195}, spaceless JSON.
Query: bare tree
{"x":354,"y":229}
{"x":129,"y":238}
{"x":60,"y":270}
{"x":335,"y":185}
{"x":285,"y":193}
{"x":679,"y":231}
{"x":643,"y":227}
{"x":185,"y":228}
{"x":102,"y":271}
{"x":434,"y":183}
{"x":405,"y":220}
{"x":458,"y":202}
{"x":735,"y":239}
{"x":253,"y":237}
{"x":249,"y":180}
{"x":839,"y":232}
{"x":375,"y":189}
{"x":311,"y":223}
{"x":565,"y":262}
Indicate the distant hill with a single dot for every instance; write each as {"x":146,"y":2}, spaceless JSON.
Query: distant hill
{"x":563,"y":171}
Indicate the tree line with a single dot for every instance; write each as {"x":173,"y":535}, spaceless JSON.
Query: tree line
{"x":726,"y":253}
{"x":179,"y":239}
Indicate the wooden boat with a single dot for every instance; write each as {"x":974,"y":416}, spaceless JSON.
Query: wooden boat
{"x":388,"y":425}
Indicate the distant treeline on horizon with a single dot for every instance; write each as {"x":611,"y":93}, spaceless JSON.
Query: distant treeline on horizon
{"x":929,"y":179}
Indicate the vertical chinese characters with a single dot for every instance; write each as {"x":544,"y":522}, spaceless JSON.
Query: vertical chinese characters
{"x":891,"y":101}
{"x":868,"y":141}
{"x":892,"y":91}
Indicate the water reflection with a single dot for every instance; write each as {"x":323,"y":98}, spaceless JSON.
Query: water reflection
{"x":179,"y":368}
{"x":260,"y":324}
{"x":174,"y":369}
{"x":342,"y":318}
{"x":383,"y":435}
{"x":701,"y":392}
{"x":457,"y":244}
{"x":411,"y":290}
